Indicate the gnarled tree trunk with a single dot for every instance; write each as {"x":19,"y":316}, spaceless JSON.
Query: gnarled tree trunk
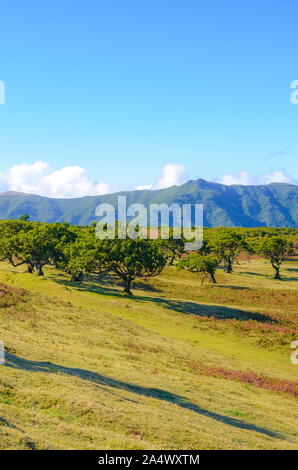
{"x":228,"y":266}
{"x":30,"y":268}
{"x":276,"y":268}
{"x":127,"y":284}
{"x":39,"y":270}
{"x":172,"y":260}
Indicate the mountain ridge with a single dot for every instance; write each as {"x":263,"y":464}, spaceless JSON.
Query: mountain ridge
{"x":273,"y":205}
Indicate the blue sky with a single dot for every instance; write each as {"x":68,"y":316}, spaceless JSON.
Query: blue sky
{"x":101,"y":95}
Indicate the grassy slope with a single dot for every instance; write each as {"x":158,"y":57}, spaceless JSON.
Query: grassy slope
{"x":89,"y":368}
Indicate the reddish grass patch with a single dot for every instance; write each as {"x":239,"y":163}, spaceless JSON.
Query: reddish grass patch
{"x":10,"y":296}
{"x":248,"y":377}
{"x":135,"y":433}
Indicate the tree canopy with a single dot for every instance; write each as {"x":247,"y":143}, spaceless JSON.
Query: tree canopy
{"x":226,"y":245}
{"x":76,"y":250}
{"x":276,"y":249}
{"x":197,"y":263}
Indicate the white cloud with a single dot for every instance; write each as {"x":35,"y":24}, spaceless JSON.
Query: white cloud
{"x":276,"y":177}
{"x":143,"y":186}
{"x":242,"y":178}
{"x":73,"y":181}
{"x":245,"y":178}
{"x":23,"y":177}
{"x":38,"y":178}
{"x":172,"y":174}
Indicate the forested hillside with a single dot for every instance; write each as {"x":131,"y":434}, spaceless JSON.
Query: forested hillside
{"x":273,"y":205}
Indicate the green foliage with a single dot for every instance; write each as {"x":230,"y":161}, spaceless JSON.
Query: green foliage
{"x":24,"y":217}
{"x":197,"y":263}
{"x":84,"y":255}
{"x":226,"y":246}
{"x":11,"y":233}
{"x":276,"y":249}
{"x":76,"y":250}
{"x":132,"y":259}
{"x":127,"y":259}
{"x":34,"y":244}
{"x":173,"y":248}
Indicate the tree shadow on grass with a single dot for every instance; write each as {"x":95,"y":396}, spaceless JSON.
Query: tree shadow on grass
{"x":186,"y":307}
{"x":4,"y":422}
{"x":156,"y":393}
{"x":291,"y":270}
{"x":295,"y":279}
{"x":219,"y":312}
{"x":90,"y":286}
{"x":7,"y":424}
{"x":271,"y":276}
{"x":216,"y":286}
{"x":99,"y":282}
{"x":249,"y":273}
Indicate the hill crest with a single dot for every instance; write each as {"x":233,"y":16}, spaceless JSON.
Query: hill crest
{"x":273,"y":205}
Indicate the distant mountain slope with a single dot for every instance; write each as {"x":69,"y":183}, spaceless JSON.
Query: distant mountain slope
{"x":272,"y":205}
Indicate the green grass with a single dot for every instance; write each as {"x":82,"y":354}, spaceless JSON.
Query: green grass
{"x":179,"y":366}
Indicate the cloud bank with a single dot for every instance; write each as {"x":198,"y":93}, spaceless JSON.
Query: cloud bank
{"x":245,"y":178}
{"x":38,"y":178}
{"x":73,"y":181}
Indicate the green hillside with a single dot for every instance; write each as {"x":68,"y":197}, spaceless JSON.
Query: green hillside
{"x":272,"y":205}
{"x":178,"y":366}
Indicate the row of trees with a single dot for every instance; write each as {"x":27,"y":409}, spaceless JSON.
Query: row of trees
{"x":225,"y":245}
{"x":76,"y":250}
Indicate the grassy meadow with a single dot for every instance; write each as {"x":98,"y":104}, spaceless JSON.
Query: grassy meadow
{"x":178,"y":366}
